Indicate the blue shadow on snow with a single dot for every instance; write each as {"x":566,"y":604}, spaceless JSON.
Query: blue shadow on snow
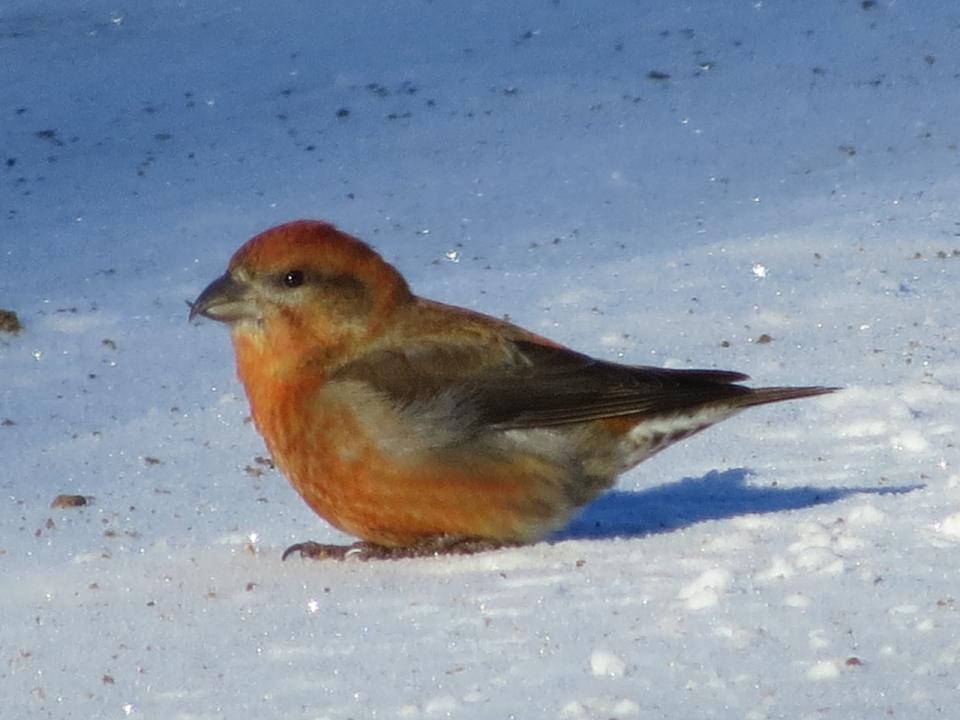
{"x":715,"y":496}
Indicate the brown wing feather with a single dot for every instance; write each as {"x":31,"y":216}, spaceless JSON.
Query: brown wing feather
{"x":534,"y":385}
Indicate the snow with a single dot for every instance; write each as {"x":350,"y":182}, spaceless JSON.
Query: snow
{"x":783,"y":204}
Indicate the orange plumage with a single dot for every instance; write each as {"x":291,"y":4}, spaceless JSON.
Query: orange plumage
{"x":413,"y":424}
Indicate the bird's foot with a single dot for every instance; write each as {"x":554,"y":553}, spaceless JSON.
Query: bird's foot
{"x":449,"y":545}
{"x":434,"y":546}
{"x":321,"y":551}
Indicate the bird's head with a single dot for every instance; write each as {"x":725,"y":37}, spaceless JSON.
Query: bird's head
{"x":303,"y":285}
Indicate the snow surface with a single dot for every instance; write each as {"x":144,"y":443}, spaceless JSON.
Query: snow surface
{"x":784,"y":204}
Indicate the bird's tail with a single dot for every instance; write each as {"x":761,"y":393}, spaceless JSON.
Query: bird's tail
{"x":762,"y":396}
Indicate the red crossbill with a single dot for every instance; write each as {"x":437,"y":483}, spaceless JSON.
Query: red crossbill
{"x":420,"y":427}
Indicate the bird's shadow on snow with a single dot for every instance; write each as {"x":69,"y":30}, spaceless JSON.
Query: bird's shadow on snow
{"x":715,"y":496}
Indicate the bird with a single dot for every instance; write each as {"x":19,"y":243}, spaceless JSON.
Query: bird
{"x":423,"y":428}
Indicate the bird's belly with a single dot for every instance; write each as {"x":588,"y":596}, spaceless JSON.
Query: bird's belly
{"x":400,"y":499}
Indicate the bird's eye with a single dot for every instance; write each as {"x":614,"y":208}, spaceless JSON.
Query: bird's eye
{"x":293,"y":278}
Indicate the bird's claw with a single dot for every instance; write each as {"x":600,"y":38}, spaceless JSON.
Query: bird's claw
{"x":363,"y":551}
{"x":320,"y":551}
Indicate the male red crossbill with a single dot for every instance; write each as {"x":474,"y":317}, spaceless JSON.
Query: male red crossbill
{"x":422,"y":427}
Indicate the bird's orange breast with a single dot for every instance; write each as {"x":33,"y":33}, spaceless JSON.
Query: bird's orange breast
{"x":333,"y":454}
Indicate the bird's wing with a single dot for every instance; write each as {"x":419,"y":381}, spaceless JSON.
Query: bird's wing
{"x":526,"y":384}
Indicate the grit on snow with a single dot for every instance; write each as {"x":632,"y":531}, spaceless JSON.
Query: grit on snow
{"x":769,"y":187}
